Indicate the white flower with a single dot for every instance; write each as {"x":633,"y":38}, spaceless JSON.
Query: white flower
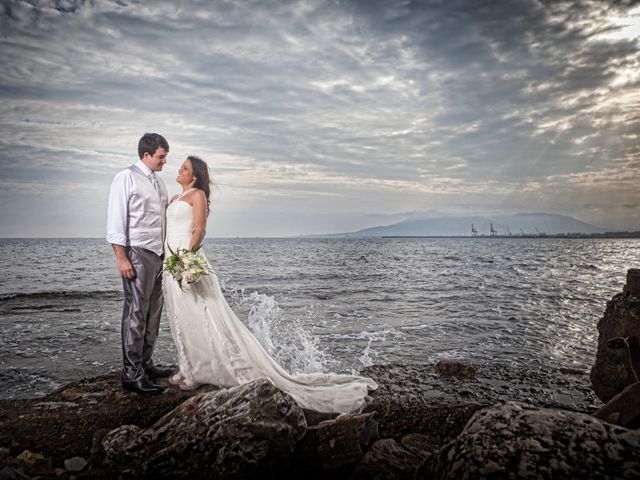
{"x":189,"y":277}
{"x":186,"y":265}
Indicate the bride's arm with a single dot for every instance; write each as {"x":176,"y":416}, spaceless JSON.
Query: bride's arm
{"x":199,"y":219}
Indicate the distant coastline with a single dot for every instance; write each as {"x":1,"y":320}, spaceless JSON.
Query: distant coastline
{"x":342,"y":236}
{"x":542,"y":235}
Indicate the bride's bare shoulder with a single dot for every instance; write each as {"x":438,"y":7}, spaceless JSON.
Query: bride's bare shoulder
{"x":198,"y":196}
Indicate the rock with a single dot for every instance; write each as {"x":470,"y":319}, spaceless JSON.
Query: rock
{"x":5,"y":456}
{"x":456,"y":369}
{"x":70,"y":393}
{"x":97,"y":452}
{"x":623,"y":409}
{"x":513,"y":440}
{"x":632,"y":286}
{"x":34,"y":463}
{"x":417,"y":443}
{"x":233,"y":433}
{"x":75,"y":464}
{"x":346,"y":437}
{"x":314,"y":418}
{"x":10,"y":473}
{"x":417,"y":398}
{"x":621,"y":319}
{"x":412,"y":399}
{"x":342,"y":441}
{"x":386,"y":459}
{"x":69,"y":429}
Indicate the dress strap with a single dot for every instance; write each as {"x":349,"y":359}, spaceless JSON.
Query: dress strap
{"x":185,"y":192}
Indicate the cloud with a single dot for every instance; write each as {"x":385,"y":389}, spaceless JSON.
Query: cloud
{"x":377,"y":106}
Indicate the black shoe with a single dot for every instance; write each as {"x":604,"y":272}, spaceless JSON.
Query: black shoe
{"x":144,"y":385}
{"x":156,"y":372}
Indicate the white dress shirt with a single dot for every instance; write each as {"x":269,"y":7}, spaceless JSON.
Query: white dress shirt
{"x":135,"y":214}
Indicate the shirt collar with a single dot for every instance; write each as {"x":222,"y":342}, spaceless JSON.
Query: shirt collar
{"x":142,"y":166}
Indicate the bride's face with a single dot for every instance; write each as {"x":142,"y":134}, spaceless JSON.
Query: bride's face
{"x":185,"y":174}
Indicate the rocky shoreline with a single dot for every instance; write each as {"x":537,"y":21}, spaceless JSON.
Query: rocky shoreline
{"x":448,"y":420}
{"x":423,"y":406}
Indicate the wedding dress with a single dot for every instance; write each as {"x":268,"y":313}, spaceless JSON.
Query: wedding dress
{"x":215,"y":347}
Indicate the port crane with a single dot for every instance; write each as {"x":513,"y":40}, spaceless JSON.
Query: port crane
{"x":508,"y":231}
{"x":474,"y":232}
{"x":492,"y":231}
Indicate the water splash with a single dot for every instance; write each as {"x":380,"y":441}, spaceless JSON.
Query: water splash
{"x":365,"y":358}
{"x":282,"y":337}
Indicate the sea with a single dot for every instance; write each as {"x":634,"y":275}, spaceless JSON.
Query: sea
{"x":324,"y":304}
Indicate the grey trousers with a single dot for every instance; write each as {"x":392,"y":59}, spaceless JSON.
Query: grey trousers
{"x":141,"y":313}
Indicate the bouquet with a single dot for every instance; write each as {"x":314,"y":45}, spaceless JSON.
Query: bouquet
{"x":186,"y":265}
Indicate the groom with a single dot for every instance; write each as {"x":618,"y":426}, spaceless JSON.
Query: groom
{"x":135,"y":229}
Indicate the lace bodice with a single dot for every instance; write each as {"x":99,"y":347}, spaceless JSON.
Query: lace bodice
{"x":179,"y":217}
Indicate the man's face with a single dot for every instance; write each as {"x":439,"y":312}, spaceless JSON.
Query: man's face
{"x":156,"y":161}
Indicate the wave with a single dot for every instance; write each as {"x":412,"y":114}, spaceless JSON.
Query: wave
{"x":41,"y":308}
{"x":66,"y":294}
{"x":282,"y":336}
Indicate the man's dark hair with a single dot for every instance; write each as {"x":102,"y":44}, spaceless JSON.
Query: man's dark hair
{"x":150,"y":142}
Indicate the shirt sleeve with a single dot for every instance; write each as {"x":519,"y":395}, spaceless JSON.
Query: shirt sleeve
{"x":118,"y":209}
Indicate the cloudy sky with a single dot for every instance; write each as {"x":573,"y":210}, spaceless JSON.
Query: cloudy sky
{"x":323,"y":116}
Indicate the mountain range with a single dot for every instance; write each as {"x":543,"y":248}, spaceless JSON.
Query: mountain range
{"x":518,"y":224}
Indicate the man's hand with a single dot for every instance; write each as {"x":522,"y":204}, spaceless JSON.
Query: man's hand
{"x":125,"y":269}
{"x":123,"y":264}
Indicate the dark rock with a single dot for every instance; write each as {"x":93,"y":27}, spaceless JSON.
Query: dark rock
{"x":97,"y":452}
{"x":369,"y":434}
{"x":34,"y":463}
{"x":417,"y":443}
{"x":456,"y":368}
{"x":68,"y":430}
{"x":624,"y":408}
{"x":10,"y":473}
{"x":75,"y":464}
{"x":412,"y":399}
{"x":417,"y":398}
{"x":314,"y":418}
{"x":306,"y":460}
{"x":632,"y":286}
{"x":388,"y":460}
{"x":233,"y":433}
{"x":342,"y":442}
{"x":5,"y":456}
{"x":513,"y":440}
{"x":611,"y":373}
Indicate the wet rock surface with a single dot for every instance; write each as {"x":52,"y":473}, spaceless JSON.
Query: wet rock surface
{"x":611,"y":372}
{"x":419,"y":398}
{"x":417,"y":407}
{"x":623,"y":409}
{"x":64,"y":423}
{"x":513,"y":440}
{"x":239,"y":432}
{"x":342,"y":441}
{"x":388,"y":459}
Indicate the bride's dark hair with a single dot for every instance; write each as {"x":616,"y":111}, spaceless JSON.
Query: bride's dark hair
{"x":201,"y":172}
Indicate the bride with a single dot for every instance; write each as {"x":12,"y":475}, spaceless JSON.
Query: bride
{"x":213,"y":345}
